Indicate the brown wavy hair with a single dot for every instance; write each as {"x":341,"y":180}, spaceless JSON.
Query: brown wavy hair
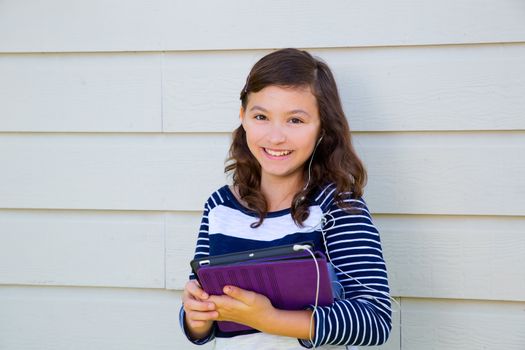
{"x":334,"y":161}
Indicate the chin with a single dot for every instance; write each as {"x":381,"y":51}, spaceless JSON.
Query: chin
{"x":281,"y":174}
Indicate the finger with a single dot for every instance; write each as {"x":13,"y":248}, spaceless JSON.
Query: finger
{"x":202,"y":316}
{"x":220,"y":301}
{"x":193,"y":288}
{"x":192,"y":304}
{"x":224,"y":303}
{"x":240,"y":294}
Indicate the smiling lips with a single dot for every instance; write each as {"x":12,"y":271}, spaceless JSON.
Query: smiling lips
{"x":277,"y":153}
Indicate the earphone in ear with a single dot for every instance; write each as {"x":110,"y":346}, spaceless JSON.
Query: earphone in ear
{"x":322,"y":135}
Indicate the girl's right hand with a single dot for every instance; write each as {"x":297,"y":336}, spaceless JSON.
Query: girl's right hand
{"x":200,"y":313}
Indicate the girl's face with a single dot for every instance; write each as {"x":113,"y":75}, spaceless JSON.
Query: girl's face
{"x":282,"y":127}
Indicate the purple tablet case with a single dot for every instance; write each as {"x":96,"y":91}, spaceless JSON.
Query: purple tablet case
{"x":290,"y":284}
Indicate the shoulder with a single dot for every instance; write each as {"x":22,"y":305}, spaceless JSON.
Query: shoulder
{"x":223,"y":196}
{"x":327,"y":196}
{"x":218,"y":197}
{"x":326,"y":199}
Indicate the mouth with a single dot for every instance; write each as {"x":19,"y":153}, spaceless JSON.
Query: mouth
{"x":277,"y":153}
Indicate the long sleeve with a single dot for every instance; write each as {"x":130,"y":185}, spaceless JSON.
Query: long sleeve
{"x":364,"y":316}
{"x":202,"y":249}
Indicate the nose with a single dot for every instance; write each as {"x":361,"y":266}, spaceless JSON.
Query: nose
{"x":276,"y":135}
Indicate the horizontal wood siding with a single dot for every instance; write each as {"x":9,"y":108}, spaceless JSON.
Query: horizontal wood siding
{"x":115,"y":122}
{"x":467,"y":87}
{"x":462,"y":325}
{"x":410,"y":173}
{"x":110,"y":171}
{"x":140,"y":25}
{"x":82,"y":248}
{"x":455,"y":257}
{"x":61,"y":318}
{"x":427,"y":256}
{"x":81,"y":92}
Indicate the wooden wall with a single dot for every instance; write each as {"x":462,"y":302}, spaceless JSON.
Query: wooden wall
{"x":114,"y":126}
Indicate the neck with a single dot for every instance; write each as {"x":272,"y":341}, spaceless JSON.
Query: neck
{"x":279,"y":193}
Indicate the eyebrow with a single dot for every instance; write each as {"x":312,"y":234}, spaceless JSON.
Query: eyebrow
{"x":294,"y":111}
{"x":259,"y":108}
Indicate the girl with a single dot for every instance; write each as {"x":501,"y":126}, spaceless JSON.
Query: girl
{"x":296,"y":177}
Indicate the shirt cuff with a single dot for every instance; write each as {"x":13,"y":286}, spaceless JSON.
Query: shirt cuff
{"x":201,"y":341}
{"x":307,"y":343}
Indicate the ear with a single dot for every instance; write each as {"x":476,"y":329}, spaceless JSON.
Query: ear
{"x":241,"y":115}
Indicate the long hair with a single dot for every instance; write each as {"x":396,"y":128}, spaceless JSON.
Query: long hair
{"x":334,"y":161}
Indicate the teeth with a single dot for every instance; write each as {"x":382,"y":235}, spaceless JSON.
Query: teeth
{"x":277,"y":153}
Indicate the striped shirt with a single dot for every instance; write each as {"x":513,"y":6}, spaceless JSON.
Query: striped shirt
{"x":351,"y":241}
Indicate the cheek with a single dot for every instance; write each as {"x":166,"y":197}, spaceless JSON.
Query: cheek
{"x":253,"y":138}
{"x":252,"y":144}
{"x":307,"y":141}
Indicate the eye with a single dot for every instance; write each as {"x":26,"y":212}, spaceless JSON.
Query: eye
{"x":296,"y":120}
{"x":260,"y":117}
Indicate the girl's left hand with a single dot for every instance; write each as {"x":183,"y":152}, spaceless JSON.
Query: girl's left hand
{"x":243,"y":306}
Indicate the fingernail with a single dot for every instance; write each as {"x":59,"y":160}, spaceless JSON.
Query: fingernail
{"x":227,"y":289}
{"x":204,"y":296}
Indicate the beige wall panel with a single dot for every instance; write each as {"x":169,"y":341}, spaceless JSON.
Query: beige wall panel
{"x":468,"y":87}
{"x":410,"y":173}
{"x":182,"y":229}
{"x":58,"y":318}
{"x":182,"y":25}
{"x":455,"y":257}
{"x":80,"y":92}
{"x":201,"y":89}
{"x":462,"y":325}
{"x":110,"y":171}
{"x":445,"y":173}
{"x":100,"y":25}
{"x":82,"y":248}
{"x":456,"y":87}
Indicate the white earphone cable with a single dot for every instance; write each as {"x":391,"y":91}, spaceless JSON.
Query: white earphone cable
{"x":324,"y":222}
{"x":298,"y":247}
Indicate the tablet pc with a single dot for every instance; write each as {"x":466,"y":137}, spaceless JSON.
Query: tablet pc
{"x":289,"y":280}
{"x":249,"y":255}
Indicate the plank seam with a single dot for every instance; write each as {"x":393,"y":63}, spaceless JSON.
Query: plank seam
{"x":165,"y":260}
{"x":162,"y":54}
{"x":400,"y":324}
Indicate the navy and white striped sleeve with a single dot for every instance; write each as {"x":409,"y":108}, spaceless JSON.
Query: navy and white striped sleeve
{"x":202,"y":249}
{"x":364,"y":316}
